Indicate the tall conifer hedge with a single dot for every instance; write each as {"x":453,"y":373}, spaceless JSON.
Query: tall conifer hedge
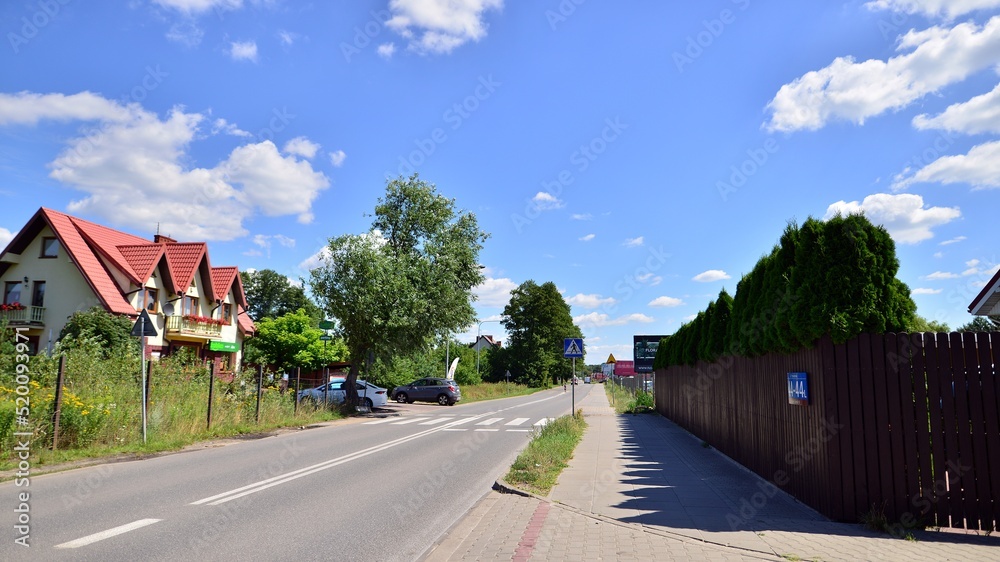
{"x":835,"y":277}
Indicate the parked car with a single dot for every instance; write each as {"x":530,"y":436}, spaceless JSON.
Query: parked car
{"x":442,"y":391}
{"x":371,"y":395}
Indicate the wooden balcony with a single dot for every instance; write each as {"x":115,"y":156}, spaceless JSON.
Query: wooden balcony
{"x":184,"y":326}
{"x":29,"y":315}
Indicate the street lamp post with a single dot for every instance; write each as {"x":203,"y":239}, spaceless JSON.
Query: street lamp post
{"x":479,"y":348}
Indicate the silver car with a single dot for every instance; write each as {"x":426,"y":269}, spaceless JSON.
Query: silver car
{"x":369,"y":394}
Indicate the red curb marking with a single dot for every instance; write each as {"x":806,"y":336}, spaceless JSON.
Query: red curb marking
{"x":530,"y":536}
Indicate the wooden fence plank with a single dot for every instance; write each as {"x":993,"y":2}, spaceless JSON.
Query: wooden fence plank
{"x":905,"y":452}
{"x":922,"y":416}
{"x":946,"y":371}
{"x":857,"y":425}
{"x":847,"y":460}
{"x":988,"y":351}
{"x":834,"y":482}
{"x":887,"y":472}
{"x":935,"y":402}
{"x":982,"y":500}
{"x":866,"y":388}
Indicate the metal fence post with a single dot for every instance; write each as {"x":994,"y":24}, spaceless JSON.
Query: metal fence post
{"x":211,"y":387}
{"x":58,"y":402}
{"x":260,"y":380}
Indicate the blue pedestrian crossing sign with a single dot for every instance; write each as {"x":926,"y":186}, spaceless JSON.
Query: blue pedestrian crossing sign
{"x":573,"y":347}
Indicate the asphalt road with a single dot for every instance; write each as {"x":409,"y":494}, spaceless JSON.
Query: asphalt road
{"x":367,"y":489}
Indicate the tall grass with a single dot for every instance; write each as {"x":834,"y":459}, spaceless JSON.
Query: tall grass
{"x":538,"y":467}
{"x":101,"y":406}
{"x":493,"y":390}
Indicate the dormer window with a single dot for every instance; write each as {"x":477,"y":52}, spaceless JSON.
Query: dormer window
{"x":148,"y":301}
{"x":50,"y":247}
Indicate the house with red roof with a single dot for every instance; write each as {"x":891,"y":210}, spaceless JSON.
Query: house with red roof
{"x":58,"y":264}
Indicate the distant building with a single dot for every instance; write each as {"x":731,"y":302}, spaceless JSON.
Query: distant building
{"x":485,"y":342}
{"x":58,"y":264}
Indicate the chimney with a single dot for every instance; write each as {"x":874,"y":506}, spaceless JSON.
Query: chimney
{"x":161,"y":239}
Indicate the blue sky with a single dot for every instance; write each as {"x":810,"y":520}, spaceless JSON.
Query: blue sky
{"x":642,"y":157}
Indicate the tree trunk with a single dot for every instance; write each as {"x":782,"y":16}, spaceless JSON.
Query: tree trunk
{"x":350,"y":388}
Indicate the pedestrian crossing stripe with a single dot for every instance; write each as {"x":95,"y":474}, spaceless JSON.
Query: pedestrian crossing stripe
{"x":511,"y":425}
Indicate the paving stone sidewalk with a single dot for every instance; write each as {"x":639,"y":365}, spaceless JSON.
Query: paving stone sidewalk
{"x":642,"y":488}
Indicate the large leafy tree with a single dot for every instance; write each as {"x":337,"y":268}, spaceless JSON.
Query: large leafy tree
{"x":406,"y":282}
{"x":291,"y":341}
{"x":537,"y":320}
{"x":270,"y":295}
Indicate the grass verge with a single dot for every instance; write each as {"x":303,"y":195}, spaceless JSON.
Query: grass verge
{"x":539,"y":465}
{"x":494,"y":390}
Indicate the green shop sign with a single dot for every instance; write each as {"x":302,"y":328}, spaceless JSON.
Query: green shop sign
{"x":223,"y":346}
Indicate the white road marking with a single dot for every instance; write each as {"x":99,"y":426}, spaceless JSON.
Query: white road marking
{"x":436,"y":421}
{"x":383,"y":420}
{"x":520,"y":430}
{"x":411,"y":420}
{"x":543,"y":421}
{"x":459,"y":429}
{"x":90,"y":539}
{"x":490,"y":421}
{"x":516,"y":421}
{"x":485,"y":429}
{"x":295,"y":474}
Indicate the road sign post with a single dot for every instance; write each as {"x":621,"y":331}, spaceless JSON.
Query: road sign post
{"x":144,"y":328}
{"x":573,"y":348}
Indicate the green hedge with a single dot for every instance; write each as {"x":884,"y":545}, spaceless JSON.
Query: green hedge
{"x":835,"y":277}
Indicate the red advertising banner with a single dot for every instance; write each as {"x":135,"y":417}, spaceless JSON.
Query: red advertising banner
{"x":624,"y":368}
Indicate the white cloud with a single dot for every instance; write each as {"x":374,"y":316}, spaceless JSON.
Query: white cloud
{"x":27,"y":108}
{"x":665,"y":302}
{"x":337,"y":158}
{"x":979,"y":168}
{"x":287,"y":38}
{"x":590,"y":301}
{"x":200,"y":6}
{"x":5,"y":237}
{"x":222,"y":126}
{"x":243,"y":50}
{"x":582,"y":217}
{"x":301,"y":146}
{"x":633,"y":242}
{"x":939,"y":275}
{"x":545,"y":201}
{"x":972,"y":263}
{"x":494,"y":292}
{"x":855,"y":91}
{"x":135,"y":169}
{"x":316,"y":260}
{"x":938,"y":254}
{"x":980,"y":114}
{"x":253,"y":253}
{"x":588,"y":237}
{"x":922,"y":291}
{"x":266,"y":241}
{"x":650,"y":279}
{"x":439,"y":26}
{"x":710,"y":276}
{"x":386,"y":50}
{"x":954,"y":240}
{"x":597,"y":319}
{"x":276,"y":185}
{"x":903,"y":215}
{"x":186,"y":33}
{"x":949,"y":9}
{"x":690,"y":317}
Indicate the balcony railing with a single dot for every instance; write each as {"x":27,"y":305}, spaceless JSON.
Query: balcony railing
{"x":182,"y":325}
{"x":27,"y":315}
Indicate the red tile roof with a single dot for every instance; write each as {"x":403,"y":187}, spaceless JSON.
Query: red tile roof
{"x":245,"y":323}
{"x":184,"y":260}
{"x":143,"y":259}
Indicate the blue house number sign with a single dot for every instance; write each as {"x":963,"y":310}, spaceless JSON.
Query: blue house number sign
{"x":798,"y":389}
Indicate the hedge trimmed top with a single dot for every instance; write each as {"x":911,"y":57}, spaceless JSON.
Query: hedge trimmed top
{"x":836,"y":277}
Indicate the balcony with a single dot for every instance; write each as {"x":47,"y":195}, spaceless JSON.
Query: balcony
{"x":29,"y":315}
{"x":191,"y":326}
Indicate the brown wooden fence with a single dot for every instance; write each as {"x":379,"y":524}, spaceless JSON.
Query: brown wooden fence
{"x":905,"y":423}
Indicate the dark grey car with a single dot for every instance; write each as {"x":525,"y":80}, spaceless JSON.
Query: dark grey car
{"x":442,"y":391}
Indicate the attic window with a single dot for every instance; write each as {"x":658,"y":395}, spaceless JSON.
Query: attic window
{"x":50,"y":247}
